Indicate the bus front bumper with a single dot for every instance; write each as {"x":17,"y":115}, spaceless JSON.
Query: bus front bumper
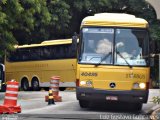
{"x":131,"y":96}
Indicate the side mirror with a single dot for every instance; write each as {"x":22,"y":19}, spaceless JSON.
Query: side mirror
{"x":74,"y":42}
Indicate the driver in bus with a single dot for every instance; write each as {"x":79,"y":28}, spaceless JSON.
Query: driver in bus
{"x":130,"y":52}
{"x":104,"y":46}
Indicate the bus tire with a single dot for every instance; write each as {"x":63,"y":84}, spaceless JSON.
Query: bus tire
{"x":137,"y":106}
{"x":62,"y":88}
{"x":46,"y":88}
{"x":83,"y":104}
{"x":25,"y":84}
{"x":35,"y":84}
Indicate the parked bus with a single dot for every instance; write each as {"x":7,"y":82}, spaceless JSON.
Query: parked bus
{"x":2,"y":80}
{"x":33,"y":65}
{"x":113,"y":60}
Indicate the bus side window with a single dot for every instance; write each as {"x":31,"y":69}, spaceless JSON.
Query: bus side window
{"x":71,"y":53}
{"x":52,"y":51}
{"x":65,"y":51}
{"x":35,"y":53}
{"x":13,"y":56}
{"x":24,"y":54}
{"x":17,"y":55}
{"x":45,"y":53}
{"x":61,"y":53}
{"x":56,"y":52}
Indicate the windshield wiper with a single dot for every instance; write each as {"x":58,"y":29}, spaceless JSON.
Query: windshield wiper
{"x":124,"y":59}
{"x":105,"y":57}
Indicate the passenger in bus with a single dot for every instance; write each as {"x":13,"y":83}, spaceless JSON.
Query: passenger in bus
{"x":104,"y":46}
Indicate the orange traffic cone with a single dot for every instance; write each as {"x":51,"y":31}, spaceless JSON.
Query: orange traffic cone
{"x":54,"y":86}
{"x":10,"y":100}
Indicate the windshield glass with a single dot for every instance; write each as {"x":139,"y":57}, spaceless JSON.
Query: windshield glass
{"x":128,"y":47}
{"x":97,"y":45}
{"x":131,"y":46}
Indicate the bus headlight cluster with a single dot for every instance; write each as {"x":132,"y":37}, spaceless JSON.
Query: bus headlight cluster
{"x":136,"y":85}
{"x":86,"y":83}
{"x":89,"y":83}
{"x":82,"y":83}
{"x":139,"y":85}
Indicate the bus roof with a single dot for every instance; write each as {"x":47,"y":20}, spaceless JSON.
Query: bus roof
{"x":114,"y":19}
{"x":47,"y":43}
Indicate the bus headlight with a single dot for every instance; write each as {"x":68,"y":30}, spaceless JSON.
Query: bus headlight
{"x":82,"y":83}
{"x":139,"y":85}
{"x":142,"y":85}
{"x":86,"y":83}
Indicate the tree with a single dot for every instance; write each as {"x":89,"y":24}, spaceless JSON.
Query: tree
{"x":17,"y":18}
{"x":32,"y":21}
{"x":82,"y":8}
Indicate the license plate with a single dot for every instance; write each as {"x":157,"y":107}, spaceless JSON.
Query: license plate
{"x":114,"y":98}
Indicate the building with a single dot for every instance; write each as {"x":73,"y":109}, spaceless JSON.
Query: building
{"x":156,"y":5}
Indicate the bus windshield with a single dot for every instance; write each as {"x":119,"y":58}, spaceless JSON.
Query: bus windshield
{"x":118,"y":46}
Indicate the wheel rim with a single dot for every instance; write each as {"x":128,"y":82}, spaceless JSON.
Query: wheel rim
{"x":25,"y":85}
{"x":35,"y":84}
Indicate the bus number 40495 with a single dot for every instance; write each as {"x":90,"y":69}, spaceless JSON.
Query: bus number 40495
{"x":137,"y":76}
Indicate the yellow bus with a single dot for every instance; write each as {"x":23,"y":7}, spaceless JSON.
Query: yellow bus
{"x":33,"y":65}
{"x":113,"y":60}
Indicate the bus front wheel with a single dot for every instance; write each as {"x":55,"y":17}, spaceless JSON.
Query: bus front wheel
{"x":25,"y":84}
{"x":83,"y":103}
{"x":35,"y":85}
{"x":137,"y":106}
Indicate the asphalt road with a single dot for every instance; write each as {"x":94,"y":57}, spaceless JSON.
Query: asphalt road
{"x":33,"y":106}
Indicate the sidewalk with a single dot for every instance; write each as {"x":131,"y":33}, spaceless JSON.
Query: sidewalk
{"x":152,"y":93}
{"x":155,"y":110}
